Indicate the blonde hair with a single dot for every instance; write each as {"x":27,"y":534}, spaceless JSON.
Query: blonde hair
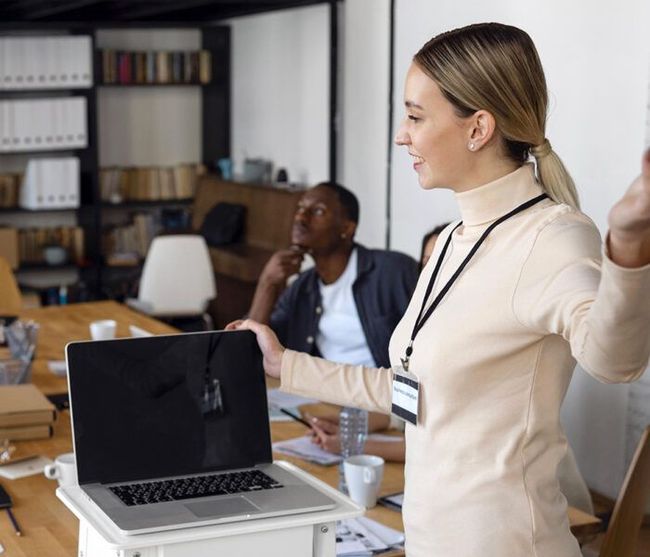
{"x":495,"y":67}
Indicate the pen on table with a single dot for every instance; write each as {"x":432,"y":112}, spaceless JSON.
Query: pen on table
{"x":297,"y":418}
{"x":14,"y":522}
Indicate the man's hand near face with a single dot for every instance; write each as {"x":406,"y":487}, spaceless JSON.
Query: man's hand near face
{"x":273,"y":281}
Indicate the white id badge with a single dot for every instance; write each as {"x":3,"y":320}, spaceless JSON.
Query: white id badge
{"x":406,"y":393}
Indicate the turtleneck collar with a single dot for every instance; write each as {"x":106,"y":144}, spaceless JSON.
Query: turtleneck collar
{"x":489,"y":202}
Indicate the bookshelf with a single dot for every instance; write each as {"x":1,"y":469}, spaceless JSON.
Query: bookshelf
{"x":209,"y":134}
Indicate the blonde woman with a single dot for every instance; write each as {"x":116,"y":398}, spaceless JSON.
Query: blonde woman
{"x":513,"y":295}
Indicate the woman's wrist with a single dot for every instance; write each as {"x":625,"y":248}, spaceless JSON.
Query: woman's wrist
{"x":628,"y":251}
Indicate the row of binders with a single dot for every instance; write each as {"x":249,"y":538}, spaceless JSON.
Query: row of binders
{"x":25,"y":413}
{"x":43,"y":124}
{"x":45,"y":62}
{"x":155,"y":67}
{"x":50,"y":183}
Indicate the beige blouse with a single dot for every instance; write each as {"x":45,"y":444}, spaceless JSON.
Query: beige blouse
{"x":494,"y":362}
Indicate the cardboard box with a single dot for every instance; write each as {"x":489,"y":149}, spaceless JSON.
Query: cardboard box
{"x":9,"y":246}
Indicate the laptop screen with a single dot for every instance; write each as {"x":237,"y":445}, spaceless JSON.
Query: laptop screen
{"x":164,"y":406}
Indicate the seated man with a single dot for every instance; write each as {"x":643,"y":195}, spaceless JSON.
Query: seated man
{"x":346,"y":307}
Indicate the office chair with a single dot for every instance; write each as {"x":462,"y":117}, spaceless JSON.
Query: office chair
{"x":177,"y":279}
{"x":622,"y":533}
{"x":10,"y":298}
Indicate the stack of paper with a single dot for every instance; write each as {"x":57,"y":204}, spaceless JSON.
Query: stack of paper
{"x":25,"y":413}
{"x":303,"y":447}
{"x":361,"y":537}
{"x":45,"y":62}
{"x":51,"y":183}
{"x":43,"y":124}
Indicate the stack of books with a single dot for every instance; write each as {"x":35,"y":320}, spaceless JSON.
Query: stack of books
{"x":25,"y":413}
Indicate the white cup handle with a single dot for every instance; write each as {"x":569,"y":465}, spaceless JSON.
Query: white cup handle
{"x":51,"y":472}
{"x":369,"y":475}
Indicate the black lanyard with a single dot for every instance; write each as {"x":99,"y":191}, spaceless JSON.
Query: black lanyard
{"x":422,"y":316}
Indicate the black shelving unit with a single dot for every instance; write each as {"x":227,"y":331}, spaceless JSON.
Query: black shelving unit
{"x":90,"y":214}
{"x":35,"y":211}
{"x":125,"y":205}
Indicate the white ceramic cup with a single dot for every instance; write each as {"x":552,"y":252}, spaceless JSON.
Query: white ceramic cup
{"x":103,"y":329}
{"x":64,"y":469}
{"x":363,"y":474}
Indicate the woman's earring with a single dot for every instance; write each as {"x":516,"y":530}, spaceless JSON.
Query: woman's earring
{"x":343,"y":236}
{"x":470,"y":146}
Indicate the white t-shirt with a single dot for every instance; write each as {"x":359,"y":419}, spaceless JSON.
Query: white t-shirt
{"x":340,"y":336}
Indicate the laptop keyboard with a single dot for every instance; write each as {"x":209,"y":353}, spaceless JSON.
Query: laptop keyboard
{"x":188,"y":488}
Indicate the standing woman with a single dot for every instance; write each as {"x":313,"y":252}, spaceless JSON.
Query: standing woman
{"x":514,"y":294}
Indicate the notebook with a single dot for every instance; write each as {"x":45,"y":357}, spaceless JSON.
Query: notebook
{"x":173,"y":431}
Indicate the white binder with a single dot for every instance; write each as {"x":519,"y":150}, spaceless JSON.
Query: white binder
{"x":51,"y":183}
{"x":29,"y":63}
{"x":43,"y":124}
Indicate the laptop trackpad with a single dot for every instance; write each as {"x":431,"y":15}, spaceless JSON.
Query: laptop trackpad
{"x":229,"y":506}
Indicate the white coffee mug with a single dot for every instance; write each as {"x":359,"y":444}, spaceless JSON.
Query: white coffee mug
{"x":63,"y":469}
{"x":363,"y":475}
{"x":103,"y":329}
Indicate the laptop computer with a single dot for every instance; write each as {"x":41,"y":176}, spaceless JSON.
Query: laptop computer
{"x":173,"y":431}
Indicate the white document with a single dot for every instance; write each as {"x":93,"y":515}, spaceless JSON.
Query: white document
{"x":302,"y":447}
{"x":387,"y":535}
{"x":137,"y":332}
{"x":23,"y":468}
{"x":385,"y":438}
{"x":57,"y":367}
{"x":364,"y":536}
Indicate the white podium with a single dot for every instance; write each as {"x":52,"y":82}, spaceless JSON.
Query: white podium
{"x":299,"y":535}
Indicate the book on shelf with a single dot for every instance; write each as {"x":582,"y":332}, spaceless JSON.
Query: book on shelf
{"x":9,"y":187}
{"x":122,"y":260}
{"x":24,"y":405}
{"x":205,"y":66}
{"x":26,"y":432}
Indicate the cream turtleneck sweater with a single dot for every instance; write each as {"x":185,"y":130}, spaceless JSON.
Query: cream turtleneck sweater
{"x":494,"y":362}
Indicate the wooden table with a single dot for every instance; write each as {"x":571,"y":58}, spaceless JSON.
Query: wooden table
{"x":48,"y":527}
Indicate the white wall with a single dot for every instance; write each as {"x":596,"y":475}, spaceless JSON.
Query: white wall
{"x":280,"y":91}
{"x":595,"y":55}
{"x":149,"y":126}
{"x":365,"y":112}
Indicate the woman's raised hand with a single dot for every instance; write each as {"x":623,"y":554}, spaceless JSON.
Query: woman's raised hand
{"x":269,"y":344}
{"x":629,"y":222}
